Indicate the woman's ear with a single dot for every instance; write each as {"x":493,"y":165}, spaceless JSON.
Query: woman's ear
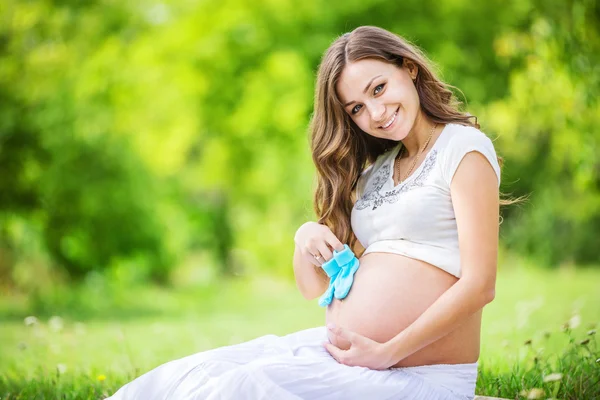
{"x":411,"y":68}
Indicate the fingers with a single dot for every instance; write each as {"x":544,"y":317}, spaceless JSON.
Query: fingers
{"x":310,"y":250}
{"x":319,"y":248}
{"x":334,"y":242}
{"x":335,"y":352}
{"x":318,"y":241}
{"x":342,"y":332}
{"x":309,"y":255}
{"x":312,"y":254}
{"x":325,"y":252}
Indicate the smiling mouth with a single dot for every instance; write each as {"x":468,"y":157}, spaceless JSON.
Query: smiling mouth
{"x":390,"y":121}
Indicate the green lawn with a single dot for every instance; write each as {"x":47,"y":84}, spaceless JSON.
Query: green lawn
{"x":103,"y":336}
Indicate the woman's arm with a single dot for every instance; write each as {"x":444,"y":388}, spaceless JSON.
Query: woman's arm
{"x":475,"y":198}
{"x":311,"y":280}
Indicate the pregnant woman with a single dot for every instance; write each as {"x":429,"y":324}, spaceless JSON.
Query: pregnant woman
{"x":410,"y":185}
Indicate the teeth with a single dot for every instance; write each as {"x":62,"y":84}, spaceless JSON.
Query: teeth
{"x":390,"y":121}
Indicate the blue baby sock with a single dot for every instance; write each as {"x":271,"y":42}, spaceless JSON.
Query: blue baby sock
{"x":340,"y":270}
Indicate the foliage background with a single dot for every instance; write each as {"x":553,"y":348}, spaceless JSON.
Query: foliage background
{"x":136,"y":135}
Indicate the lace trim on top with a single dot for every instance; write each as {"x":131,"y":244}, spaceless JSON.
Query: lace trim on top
{"x":373,"y":195}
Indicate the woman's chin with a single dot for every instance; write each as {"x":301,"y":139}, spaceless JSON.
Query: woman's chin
{"x":400,"y":131}
{"x":399,"y":134}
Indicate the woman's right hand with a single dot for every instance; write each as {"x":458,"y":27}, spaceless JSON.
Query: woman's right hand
{"x":314,"y":239}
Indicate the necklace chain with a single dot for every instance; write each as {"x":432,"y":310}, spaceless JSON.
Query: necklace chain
{"x":401,"y":153}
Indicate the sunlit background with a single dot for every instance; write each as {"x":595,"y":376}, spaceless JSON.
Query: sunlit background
{"x":155,"y":165}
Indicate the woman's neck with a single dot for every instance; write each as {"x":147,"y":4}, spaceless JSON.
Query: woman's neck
{"x":417,"y":136}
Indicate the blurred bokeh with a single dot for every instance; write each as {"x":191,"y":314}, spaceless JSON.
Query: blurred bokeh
{"x":167,"y":142}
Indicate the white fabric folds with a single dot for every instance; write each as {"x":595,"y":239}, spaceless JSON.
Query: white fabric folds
{"x":295,"y":366}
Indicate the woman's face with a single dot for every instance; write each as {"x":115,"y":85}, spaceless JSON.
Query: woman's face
{"x":376,"y":93}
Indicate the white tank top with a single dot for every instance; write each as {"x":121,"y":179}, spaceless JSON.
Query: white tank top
{"x":416,"y":218}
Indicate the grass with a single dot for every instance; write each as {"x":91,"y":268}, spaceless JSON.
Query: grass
{"x":86,"y":342}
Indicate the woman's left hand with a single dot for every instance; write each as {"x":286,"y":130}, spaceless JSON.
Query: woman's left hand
{"x":363,"y":352}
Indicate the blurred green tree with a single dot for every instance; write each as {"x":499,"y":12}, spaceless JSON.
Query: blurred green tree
{"x":150,"y":131}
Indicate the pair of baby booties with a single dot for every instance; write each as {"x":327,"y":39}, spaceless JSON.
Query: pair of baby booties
{"x":340,"y":270}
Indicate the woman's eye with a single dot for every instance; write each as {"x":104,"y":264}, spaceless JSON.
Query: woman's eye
{"x":376,"y":91}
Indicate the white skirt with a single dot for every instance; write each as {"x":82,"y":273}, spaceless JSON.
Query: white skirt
{"x":295,"y":366}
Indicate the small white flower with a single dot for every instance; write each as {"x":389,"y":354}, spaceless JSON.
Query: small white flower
{"x":56,"y":323}
{"x":61,"y":368}
{"x":553,"y":377}
{"x":535,"y":393}
{"x":31,"y":320}
{"x":575,"y":321}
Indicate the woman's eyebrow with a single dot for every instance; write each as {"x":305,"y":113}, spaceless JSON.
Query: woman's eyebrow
{"x":364,"y":91}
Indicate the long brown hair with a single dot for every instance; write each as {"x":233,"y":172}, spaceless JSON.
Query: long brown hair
{"x":340,"y":149}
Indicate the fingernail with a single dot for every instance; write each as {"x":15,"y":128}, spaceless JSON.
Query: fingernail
{"x":331,"y":325}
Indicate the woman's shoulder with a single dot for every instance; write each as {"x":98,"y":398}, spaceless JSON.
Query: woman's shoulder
{"x":463,"y":139}
{"x":465,"y":135}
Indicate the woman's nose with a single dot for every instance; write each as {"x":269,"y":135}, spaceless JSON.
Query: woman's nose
{"x":377,"y":111}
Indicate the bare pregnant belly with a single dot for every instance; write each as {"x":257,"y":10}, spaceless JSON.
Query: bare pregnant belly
{"x":391,"y":291}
